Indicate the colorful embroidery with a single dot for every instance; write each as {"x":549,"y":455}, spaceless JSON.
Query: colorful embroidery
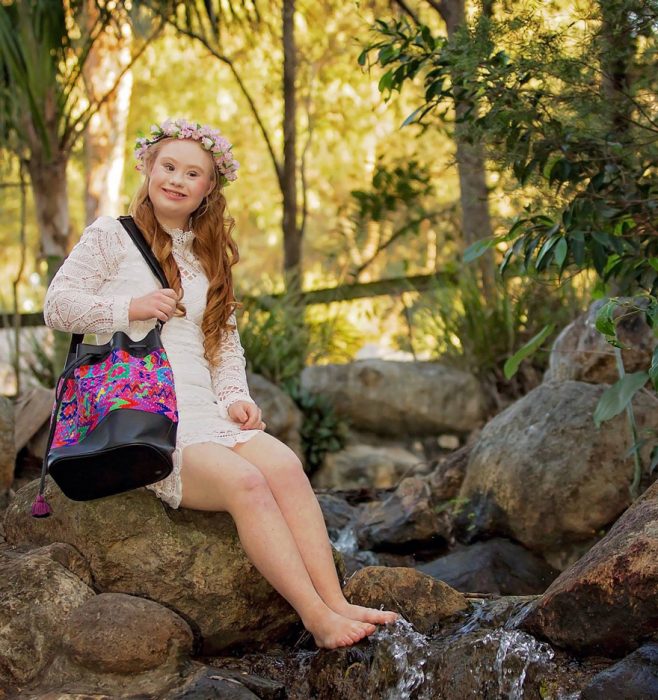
{"x":121,"y":381}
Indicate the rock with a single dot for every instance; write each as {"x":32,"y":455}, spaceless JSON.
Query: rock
{"x":632,"y":678}
{"x":446,"y":478}
{"x":338,"y":513}
{"x":33,"y":411}
{"x":580,"y":352}
{"x":606,"y":603}
{"x":7,"y":451}
{"x":397,"y":662}
{"x":542,"y":474}
{"x":222,"y":684}
{"x":404,"y":520}
{"x":211,"y":684}
{"x":494,"y":566}
{"x":280,"y":413}
{"x":189,"y":561}
{"x":420,"y":599}
{"x":399,"y":398}
{"x":119,"y":633}
{"x":37,"y":592}
{"x":362,"y":465}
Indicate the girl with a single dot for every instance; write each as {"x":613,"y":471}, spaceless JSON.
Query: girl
{"x":223,"y":459}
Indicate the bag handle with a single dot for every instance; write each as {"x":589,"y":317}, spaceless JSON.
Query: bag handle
{"x":144,"y":248}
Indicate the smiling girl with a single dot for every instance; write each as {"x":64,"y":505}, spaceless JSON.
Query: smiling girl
{"x":224,"y":461}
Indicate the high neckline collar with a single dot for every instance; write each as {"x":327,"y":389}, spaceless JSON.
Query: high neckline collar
{"x":181,"y":238}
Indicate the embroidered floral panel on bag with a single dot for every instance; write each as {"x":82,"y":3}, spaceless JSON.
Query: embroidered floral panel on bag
{"x":121,"y":381}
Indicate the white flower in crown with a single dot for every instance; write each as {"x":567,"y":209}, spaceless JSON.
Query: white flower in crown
{"x":210,"y":139}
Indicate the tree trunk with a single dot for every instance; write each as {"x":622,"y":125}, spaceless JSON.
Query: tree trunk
{"x":474,"y":197}
{"x":105,"y":137}
{"x":51,"y":207}
{"x":292,"y":236}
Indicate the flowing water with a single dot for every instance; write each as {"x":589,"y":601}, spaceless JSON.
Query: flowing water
{"x":409,"y":650}
{"x":516,"y":651}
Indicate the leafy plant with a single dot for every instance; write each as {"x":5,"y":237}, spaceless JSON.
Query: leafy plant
{"x":280,"y":336}
{"x":322,"y":431}
{"x":460,"y":326}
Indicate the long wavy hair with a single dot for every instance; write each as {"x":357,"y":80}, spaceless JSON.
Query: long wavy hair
{"x":213,"y":245}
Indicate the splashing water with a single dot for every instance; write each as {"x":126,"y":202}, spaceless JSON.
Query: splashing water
{"x":515,"y":649}
{"x":346,"y":543}
{"x":409,"y":651}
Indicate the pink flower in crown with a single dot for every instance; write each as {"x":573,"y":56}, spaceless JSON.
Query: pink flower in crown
{"x":209,"y":138}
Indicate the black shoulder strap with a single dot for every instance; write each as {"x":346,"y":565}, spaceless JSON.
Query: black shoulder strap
{"x":144,"y":248}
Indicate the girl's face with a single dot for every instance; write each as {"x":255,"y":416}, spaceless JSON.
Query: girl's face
{"x":180,"y":178}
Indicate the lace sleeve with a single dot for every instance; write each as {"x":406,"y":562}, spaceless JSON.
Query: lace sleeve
{"x":229,"y":377}
{"x":73,"y":302}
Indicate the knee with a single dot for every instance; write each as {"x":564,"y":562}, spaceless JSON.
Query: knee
{"x":250,"y":484}
{"x":291,"y":470}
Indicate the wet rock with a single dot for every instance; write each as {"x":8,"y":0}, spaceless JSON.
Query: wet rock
{"x":542,"y":474}
{"x":338,"y":513}
{"x":397,"y":662}
{"x":7,"y":451}
{"x":419,"y":598}
{"x":580,"y":352}
{"x":399,"y":398}
{"x":494,"y":566}
{"x":606,"y":603}
{"x":632,"y":678}
{"x":363,"y":465}
{"x":405,"y":519}
{"x":284,"y":420}
{"x":119,"y":633}
{"x":189,"y":561}
{"x":213,"y":684}
{"x":37,"y":592}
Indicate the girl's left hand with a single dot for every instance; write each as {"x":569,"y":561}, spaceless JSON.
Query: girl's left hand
{"x":247,"y":414}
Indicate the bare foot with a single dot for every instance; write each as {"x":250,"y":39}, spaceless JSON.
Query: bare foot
{"x":358,"y":612}
{"x":331,"y":630}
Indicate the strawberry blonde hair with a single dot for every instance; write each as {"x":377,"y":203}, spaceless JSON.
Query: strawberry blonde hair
{"x":213,"y":245}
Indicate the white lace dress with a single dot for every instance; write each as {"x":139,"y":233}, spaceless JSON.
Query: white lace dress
{"x":91,"y":293}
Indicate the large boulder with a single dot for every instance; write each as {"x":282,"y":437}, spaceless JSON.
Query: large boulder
{"x":189,"y":561}
{"x":119,"y":633}
{"x":495,"y":566}
{"x":399,"y":398}
{"x":580,"y":352}
{"x":363,"y":465}
{"x":280,"y":413}
{"x":541,"y":473}
{"x":38,"y":589}
{"x":606,"y":603}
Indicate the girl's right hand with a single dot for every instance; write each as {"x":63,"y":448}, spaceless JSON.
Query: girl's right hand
{"x":160,"y":304}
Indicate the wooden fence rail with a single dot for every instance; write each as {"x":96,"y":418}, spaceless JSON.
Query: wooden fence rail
{"x":345,"y":292}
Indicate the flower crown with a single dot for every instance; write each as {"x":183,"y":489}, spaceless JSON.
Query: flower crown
{"x":208,"y":138}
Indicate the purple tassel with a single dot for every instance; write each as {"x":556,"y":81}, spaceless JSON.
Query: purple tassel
{"x":40,"y":507}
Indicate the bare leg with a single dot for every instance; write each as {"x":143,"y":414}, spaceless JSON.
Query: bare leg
{"x":214,"y":478}
{"x":300,"y":507}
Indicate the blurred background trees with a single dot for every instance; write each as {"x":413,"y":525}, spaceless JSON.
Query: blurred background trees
{"x":377,"y":140}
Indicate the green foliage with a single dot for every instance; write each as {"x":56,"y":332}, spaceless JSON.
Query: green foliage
{"x":280,"y":337}
{"x":459,"y":325}
{"x":617,"y":397}
{"x":322,"y":431}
